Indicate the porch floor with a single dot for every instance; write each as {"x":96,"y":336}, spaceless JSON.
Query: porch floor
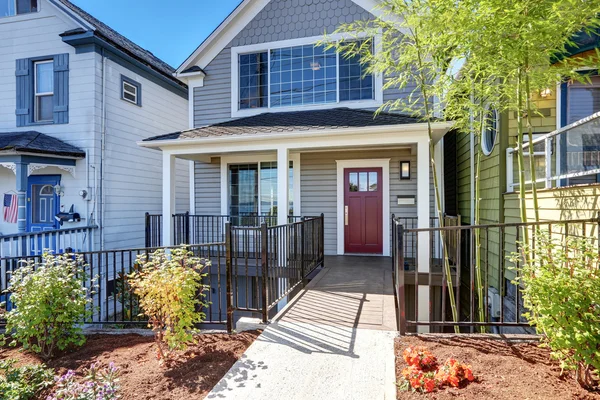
{"x":351,"y":291}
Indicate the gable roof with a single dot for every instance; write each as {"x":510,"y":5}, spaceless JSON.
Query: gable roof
{"x":233,"y":24}
{"x":290,"y":122}
{"x":36,"y":142}
{"x":107,"y":33}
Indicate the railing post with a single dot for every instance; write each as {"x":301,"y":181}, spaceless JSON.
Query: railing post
{"x":302,"y":239}
{"x":265,"y":271}
{"x":187,"y":228}
{"x":400,"y":290}
{"x":322,"y":241}
{"x":147,"y":215}
{"x":548,"y":157}
{"x":228,"y":278}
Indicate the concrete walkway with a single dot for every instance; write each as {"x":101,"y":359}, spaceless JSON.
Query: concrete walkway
{"x":334,"y":341}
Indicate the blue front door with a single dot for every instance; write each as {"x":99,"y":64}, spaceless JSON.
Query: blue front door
{"x":42,"y":203}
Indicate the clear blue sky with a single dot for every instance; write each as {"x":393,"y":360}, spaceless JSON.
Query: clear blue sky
{"x":170,"y":29}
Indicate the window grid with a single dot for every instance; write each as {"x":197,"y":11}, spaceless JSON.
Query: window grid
{"x":253,"y":80}
{"x":43,"y":90}
{"x":130,"y":92}
{"x":301,"y":75}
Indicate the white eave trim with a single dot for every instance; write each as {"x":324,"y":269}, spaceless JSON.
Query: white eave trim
{"x":442,"y":127}
{"x":235,"y":22}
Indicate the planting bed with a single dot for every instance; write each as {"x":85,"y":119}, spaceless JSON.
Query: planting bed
{"x":191,"y":375}
{"x":502,"y":370}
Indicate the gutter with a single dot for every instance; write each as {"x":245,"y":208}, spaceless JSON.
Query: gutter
{"x":439,"y":126}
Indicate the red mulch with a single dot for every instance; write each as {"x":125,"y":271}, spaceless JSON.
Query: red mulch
{"x":503,"y":370}
{"x":191,"y":375}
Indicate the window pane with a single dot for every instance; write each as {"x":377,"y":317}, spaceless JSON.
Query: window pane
{"x":301,"y":71}
{"x":354,"y":85}
{"x":44,"y":108}
{"x":243,"y":192}
{"x":353,"y":178}
{"x":253,"y":80}
{"x":26,"y":6}
{"x":7,"y":8}
{"x":372,"y":181}
{"x":44,"y":77}
{"x":362,"y":181}
{"x":268,"y":188}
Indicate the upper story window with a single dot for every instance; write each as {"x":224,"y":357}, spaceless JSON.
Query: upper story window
{"x":44,"y":91}
{"x":300,"y":76}
{"x":583,"y":99}
{"x":9,"y":8}
{"x":131,"y":91}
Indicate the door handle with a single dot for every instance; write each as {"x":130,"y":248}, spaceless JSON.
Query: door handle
{"x":346,"y":215}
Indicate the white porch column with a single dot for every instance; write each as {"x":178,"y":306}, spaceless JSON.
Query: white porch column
{"x":168,"y":206}
{"x":423,"y":214}
{"x":283,"y":168}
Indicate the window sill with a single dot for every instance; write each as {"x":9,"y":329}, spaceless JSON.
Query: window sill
{"x":345,"y":104}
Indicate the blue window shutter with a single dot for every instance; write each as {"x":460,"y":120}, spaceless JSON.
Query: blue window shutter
{"x":24,"y":92}
{"x":61,"y":88}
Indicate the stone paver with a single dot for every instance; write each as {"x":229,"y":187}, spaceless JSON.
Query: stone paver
{"x":334,"y":341}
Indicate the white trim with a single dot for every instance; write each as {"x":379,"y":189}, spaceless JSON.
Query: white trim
{"x":10,"y":165}
{"x":227,"y":160}
{"x":193,"y":84}
{"x":384,"y":164}
{"x":185,"y":146}
{"x":241,"y":16}
{"x":192,"y":175}
{"x":262,"y":47}
{"x":133,"y":93}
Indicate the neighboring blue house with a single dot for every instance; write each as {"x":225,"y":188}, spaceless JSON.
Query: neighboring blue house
{"x":75,"y":96}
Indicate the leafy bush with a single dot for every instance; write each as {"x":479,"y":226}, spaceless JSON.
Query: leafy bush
{"x":49,"y":299}
{"x":171,"y":291}
{"x":98,"y":384}
{"x":23,"y":383}
{"x":561,"y":289}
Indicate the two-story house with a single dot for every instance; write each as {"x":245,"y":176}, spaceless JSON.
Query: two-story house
{"x":75,"y":97}
{"x":277,"y":122}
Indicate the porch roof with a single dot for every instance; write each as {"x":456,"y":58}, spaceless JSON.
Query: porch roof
{"x":290,"y":122}
{"x":37,"y":143}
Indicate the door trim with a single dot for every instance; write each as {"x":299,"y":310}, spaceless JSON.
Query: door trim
{"x":384,"y":164}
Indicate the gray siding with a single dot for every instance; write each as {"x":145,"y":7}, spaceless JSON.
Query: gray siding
{"x":279,"y":20}
{"x":319,"y":186}
{"x":208,"y":187}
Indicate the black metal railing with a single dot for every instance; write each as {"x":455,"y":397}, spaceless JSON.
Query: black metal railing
{"x":251,"y":270}
{"x":502,"y":299}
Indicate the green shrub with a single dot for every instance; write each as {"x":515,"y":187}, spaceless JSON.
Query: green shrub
{"x":50,"y":300}
{"x":170,"y":290}
{"x":23,"y":383}
{"x":561,"y":290}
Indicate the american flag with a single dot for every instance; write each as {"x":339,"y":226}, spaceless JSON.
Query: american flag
{"x":11,"y":208}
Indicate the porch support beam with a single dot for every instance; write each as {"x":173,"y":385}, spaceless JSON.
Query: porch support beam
{"x":168,"y":198}
{"x":21,"y":173}
{"x":424,"y":215}
{"x":283,"y":162}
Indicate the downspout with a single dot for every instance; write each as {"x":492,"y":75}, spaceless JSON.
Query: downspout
{"x":102,"y":150}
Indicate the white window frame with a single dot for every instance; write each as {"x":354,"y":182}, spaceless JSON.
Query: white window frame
{"x":376,"y":102}
{"x":228,"y":160}
{"x":123,"y":91}
{"x":37,"y":95}
{"x":486,"y":148}
{"x":38,"y":7}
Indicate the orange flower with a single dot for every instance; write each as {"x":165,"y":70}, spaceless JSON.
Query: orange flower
{"x":429,"y":385}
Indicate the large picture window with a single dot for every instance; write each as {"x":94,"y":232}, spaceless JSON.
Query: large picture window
{"x":253,"y":192}
{"x":301,"y":76}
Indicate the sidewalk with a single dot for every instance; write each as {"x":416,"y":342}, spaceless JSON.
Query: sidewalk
{"x":335,"y":340}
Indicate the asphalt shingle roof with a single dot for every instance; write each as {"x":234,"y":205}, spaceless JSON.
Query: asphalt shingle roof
{"x":122,"y":42}
{"x":36,"y":142}
{"x":287,"y":122}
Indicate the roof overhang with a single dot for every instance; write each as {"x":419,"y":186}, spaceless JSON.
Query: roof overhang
{"x":241,"y":16}
{"x":401,"y":134}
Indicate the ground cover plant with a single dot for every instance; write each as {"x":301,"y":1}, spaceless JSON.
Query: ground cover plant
{"x":49,"y":301}
{"x":23,"y":382}
{"x":170,"y":290}
{"x":562,"y":293}
{"x":98,"y":384}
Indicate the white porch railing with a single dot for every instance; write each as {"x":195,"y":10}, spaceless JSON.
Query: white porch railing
{"x":59,"y":241}
{"x":569,"y":153}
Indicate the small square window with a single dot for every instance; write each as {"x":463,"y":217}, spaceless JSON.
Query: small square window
{"x":131,"y":91}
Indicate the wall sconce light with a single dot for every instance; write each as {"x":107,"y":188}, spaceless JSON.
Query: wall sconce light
{"x":546,"y":92}
{"x":404,"y":169}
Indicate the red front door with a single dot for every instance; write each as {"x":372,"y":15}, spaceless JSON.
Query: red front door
{"x":363,"y":210}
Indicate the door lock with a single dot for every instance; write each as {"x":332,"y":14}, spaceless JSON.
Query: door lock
{"x":346,"y":215}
